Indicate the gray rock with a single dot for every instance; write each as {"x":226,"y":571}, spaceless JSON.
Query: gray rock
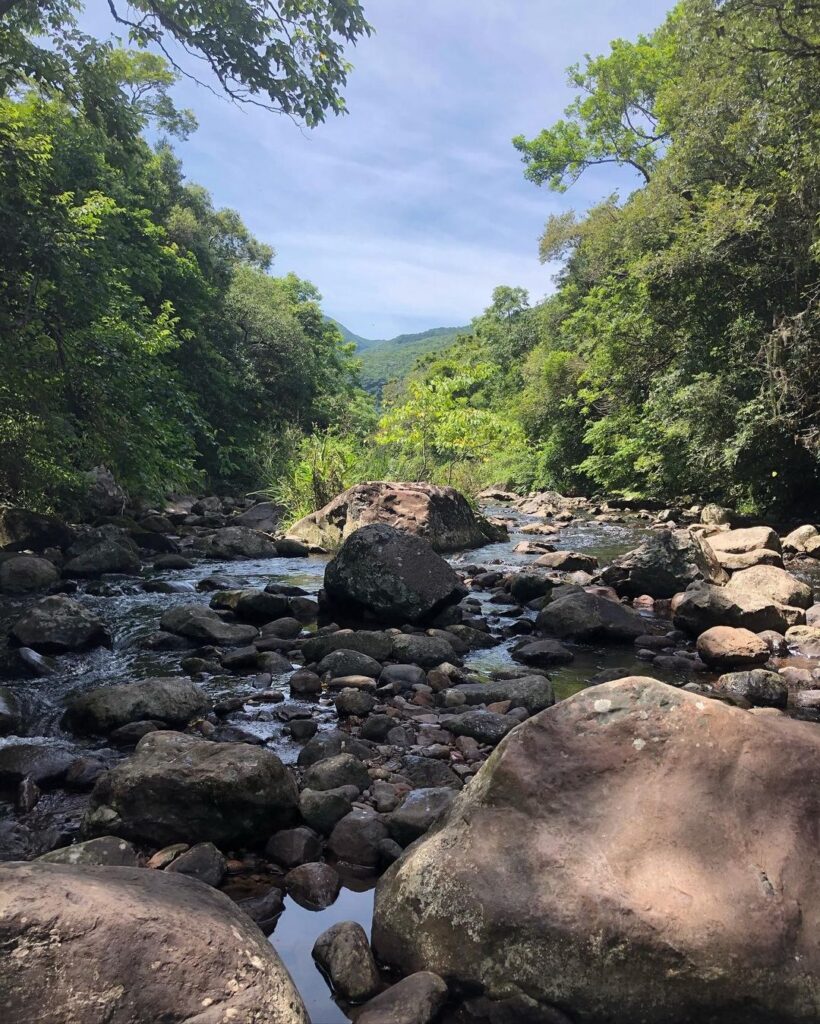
{"x":341,"y":770}
{"x":322,"y":809}
{"x":258,"y":606}
{"x":343,"y":953}
{"x":349,"y":663}
{"x":567,"y":561}
{"x":416,"y":999}
{"x":702,"y":606}
{"x":57,"y":624}
{"x":421,"y":809}
{"x":759,"y":687}
{"x":575,"y":614}
{"x":22,"y":530}
{"x":44,"y":761}
{"x":314,"y":886}
{"x":403,"y":677}
{"x":534,"y":693}
{"x":425,"y":651}
{"x":233,"y":542}
{"x":105,"y":557}
{"x":294,"y":846}
{"x":543,"y":653}
{"x":105,"y":851}
{"x":201,"y":623}
{"x":356,"y":837}
{"x":666,"y":563}
{"x":264,"y":516}
{"x":429,"y":772}
{"x":374,"y":643}
{"x":351,"y":701}
{"x":203,"y":861}
{"x":484,"y":726}
{"x":264,"y":909}
{"x":10,"y":720}
{"x":26,"y":574}
{"x":172,"y":701}
{"x":305,"y":684}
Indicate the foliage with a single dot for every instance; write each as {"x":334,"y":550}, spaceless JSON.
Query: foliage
{"x":392,"y":359}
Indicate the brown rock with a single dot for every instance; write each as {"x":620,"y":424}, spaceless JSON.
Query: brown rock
{"x":723,"y":647}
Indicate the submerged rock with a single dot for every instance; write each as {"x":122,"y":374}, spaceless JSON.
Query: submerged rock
{"x":633,"y":883}
{"x":127,"y":945}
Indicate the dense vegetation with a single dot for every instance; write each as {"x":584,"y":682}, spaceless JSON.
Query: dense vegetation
{"x":140,"y":327}
{"x":679,"y":354}
{"x":389,"y":359}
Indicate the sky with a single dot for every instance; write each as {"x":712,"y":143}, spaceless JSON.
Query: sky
{"x":407,"y":211}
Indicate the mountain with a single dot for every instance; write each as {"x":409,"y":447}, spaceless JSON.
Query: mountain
{"x":387,"y":358}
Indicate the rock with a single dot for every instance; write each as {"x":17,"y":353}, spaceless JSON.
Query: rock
{"x":351,"y":701}
{"x":617,"y":799}
{"x":574,"y":614}
{"x":725,"y":647}
{"x":758,"y":687}
{"x":440,"y":515}
{"x":343,"y":953}
{"x":203,"y":861}
{"x":192,"y":949}
{"x":748,"y":559}
{"x":314,"y":886}
{"x":773,"y":584}
{"x":294,"y":846}
{"x":664,"y":564}
{"x":534,"y":693}
{"x":702,"y":606}
{"x":175,"y":787}
{"x":525,"y":586}
{"x":21,"y":530}
{"x":716,"y":515}
{"x":259,"y":606}
{"x":169,"y":700}
{"x":392,"y":576}
{"x":421,"y":809}
{"x":201,"y":623}
{"x":423,"y":651}
{"x":107,"y":556}
{"x":567,"y":561}
{"x":413,"y":1000}
{"x":287,"y":628}
{"x":349,"y":663}
{"x":233,"y":542}
{"x":403,"y":677}
{"x":333,"y":772}
{"x":543,"y":653}
{"x":373,"y":643}
{"x":264,"y":909}
{"x":58,"y":624}
{"x":737,"y":542}
{"x":424,"y":772}
{"x":173,"y":561}
{"x":356,"y":837}
{"x":264,"y":517}
{"x":485,"y":726}
{"x":806,"y":639}
{"x":322,"y":809}
{"x":26,"y":574}
{"x":105,"y":851}
{"x":37,"y":664}
{"x":103,"y":495}
{"x":795,"y":542}
{"x":302,"y":729}
{"x":290,"y":547}
{"x":305,"y":684}
{"x":44,"y":761}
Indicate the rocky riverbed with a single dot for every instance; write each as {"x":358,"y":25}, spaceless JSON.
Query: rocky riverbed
{"x":190,"y":691}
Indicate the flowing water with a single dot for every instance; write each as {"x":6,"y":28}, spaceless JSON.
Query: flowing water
{"x":132,"y":616}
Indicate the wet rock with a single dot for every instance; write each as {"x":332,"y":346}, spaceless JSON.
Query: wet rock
{"x":290,"y":547}
{"x":702,"y":606}
{"x":302,"y":729}
{"x":130,"y":735}
{"x":333,"y":772}
{"x":22,"y":530}
{"x":421,"y":809}
{"x":723,"y":647}
{"x":772,"y":584}
{"x":286,"y":627}
{"x":413,"y":1000}
{"x":343,"y":953}
{"x":484,"y":726}
{"x":351,"y":701}
{"x":389,"y":575}
{"x":305,"y":684}
{"x":543,"y":653}
{"x":193,"y":949}
{"x":664,"y":564}
{"x":58,"y":624}
{"x":170,"y":701}
{"x":424,"y":651}
{"x":26,"y":574}
{"x":776,"y":642}
{"x":37,"y":664}
{"x":264,"y":516}
{"x":375,"y":644}
{"x":759,"y":687}
{"x":322,"y":809}
{"x":403,"y":677}
{"x":258,"y":606}
{"x":377,"y":727}
{"x":356,"y":837}
{"x":534,"y":914}
{"x":264,"y":909}
{"x":201,"y":623}
{"x":105,"y":557}
{"x":427,"y":772}
{"x":349,"y":663}
{"x":294,"y":846}
{"x":203,"y":861}
{"x":524,"y":586}
{"x":441,"y":515}
{"x":232,"y":542}
{"x":577,"y":615}
{"x":10,"y":719}
{"x":534,"y":693}
{"x":173,"y":561}
{"x":105,"y":851}
{"x":738,"y":542}
{"x":44,"y":761}
{"x":175,"y":787}
{"x":314,"y":886}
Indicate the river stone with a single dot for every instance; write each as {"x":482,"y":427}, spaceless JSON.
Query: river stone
{"x":441,"y":515}
{"x":108,"y":555}
{"x":26,"y":574}
{"x":421,"y":809}
{"x":233,"y":542}
{"x":373,"y":643}
{"x":201,"y":623}
{"x":759,"y":687}
{"x":668,"y":561}
{"x":716,"y":515}
{"x":748,"y":559}
{"x":314,"y":886}
{"x":22,"y":530}
{"x":525,"y":586}
{"x":738,"y":542}
{"x":424,"y":772}
{"x":574,"y":614}
{"x":304,"y":684}
{"x":333,"y":772}
{"x":104,"y":851}
{"x":259,"y":606}
{"x":723,"y":647}
{"x":264,"y":516}
{"x":171,"y":700}
{"x":353,"y":701}
{"x":391,"y":576}
{"x":702,"y":606}
{"x":129,"y":946}
{"x":57,"y":624}
{"x":349,"y":663}
{"x":43,"y":760}
{"x":264,"y":909}
{"x":424,"y":651}
{"x":413,"y":1000}
{"x":203,"y":861}
{"x":178,"y":788}
{"x":795,"y":542}
{"x":773,"y":584}
{"x":291,"y":847}
{"x":543,"y":653}
{"x":10,"y":719}
{"x":322,"y":809}
{"x":617,"y":798}
{"x":567,"y":561}
{"x":485,"y":726}
{"x":343,"y":953}
{"x":355,"y":838}
{"x":403,"y":677}
{"x":534,"y":693}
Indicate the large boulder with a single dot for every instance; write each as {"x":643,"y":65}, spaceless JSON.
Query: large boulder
{"x":26,"y":574}
{"x":796,"y":541}
{"x":773,"y":584}
{"x":441,"y":515}
{"x":575,"y":614}
{"x":176,"y":788}
{"x":127,"y":945}
{"x":264,"y":516}
{"x":703,"y":605}
{"x":57,"y":624}
{"x":109,"y":555}
{"x":644,"y":884}
{"x":665,"y":563}
{"x":391,"y":576}
{"x":173,"y":701}
{"x":21,"y":530}
{"x":738,"y":542}
{"x":724,"y":647}
{"x":233,"y":542}
{"x":104,"y":496}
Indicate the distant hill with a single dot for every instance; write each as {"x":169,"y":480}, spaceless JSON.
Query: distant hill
{"x":387,"y":358}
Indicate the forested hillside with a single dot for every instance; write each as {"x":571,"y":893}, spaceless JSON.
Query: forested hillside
{"x":390,"y":359}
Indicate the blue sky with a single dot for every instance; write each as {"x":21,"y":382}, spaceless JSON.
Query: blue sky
{"x":407,"y":211}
